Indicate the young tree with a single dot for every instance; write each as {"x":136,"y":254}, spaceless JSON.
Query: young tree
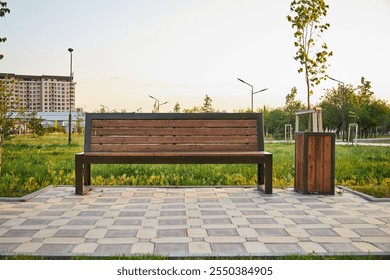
{"x":308,"y":29}
{"x":207,"y":105}
{"x":177,"y":108}
{"x":6,"y":100}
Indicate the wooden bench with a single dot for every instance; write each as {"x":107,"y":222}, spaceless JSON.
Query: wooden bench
{"x":173,"y":138}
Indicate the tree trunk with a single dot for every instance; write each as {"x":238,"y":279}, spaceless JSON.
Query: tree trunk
{"x":1,"y":153}
{"x":308,"y":97}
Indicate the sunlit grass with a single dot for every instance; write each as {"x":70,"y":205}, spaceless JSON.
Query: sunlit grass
{"x":31,"y":163}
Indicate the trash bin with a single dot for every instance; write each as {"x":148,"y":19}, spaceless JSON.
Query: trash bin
{"x":314,"y":162}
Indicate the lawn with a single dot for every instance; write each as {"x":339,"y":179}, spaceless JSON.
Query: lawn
{"x":31,"y":163}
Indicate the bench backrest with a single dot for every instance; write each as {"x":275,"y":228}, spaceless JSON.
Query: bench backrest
{"x":156,"y":132}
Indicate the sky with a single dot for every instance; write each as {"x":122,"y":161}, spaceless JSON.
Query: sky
{"x":181,"y":50}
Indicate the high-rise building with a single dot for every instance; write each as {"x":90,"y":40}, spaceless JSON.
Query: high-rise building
{"x":44,"y":93}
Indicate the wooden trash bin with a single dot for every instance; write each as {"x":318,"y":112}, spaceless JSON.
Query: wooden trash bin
{"x":314,"y":162}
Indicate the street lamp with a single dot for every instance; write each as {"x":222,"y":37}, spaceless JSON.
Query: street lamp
{"x":105,"y":107}
{"x":342,"y":103}
{"x":70,"y":99}
{"x":252,"y":93}
{"x":158,"y":104}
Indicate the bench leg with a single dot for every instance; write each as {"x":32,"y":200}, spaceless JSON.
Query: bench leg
{"x":264,"y":175}
{"x":79,"y":175}
{"x":87,"y":174}
{"x":268,"y":174}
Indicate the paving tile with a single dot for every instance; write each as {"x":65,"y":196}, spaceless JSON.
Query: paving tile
{"x":83,"y":222}
{"x":285,"y":248}
{"x":370,"y":232}
{"x":305,"y":220}
{"x":96,"y":233}
{"x":260,"y":221}
{"x":127,"y":222}
{"x":199,"y":248}
{"x":29,"y":247}
{"x":366,"y":247}
{"x":120,"y":233}
{"x":8,"y":247}
{"x":55,"y":249}
{"x":217,"y":221}
{"x":256,"y":248}
{"x":171,"y":249}
{"x":253,"y":213}
{"x":172,"y":222}
{"x":142,"y":248}
{"x":312,"y":247}
{"x":213,"y":212}
{"x":70,"y":233}
{"x":85,"y":248}
{"x":132,"y":214}
{"x":19,"y":233}
{"x":343,"y":248}
{"x":228,"y":248}
{"x":37,"y":222}
{"x":173,"y":213}
{"x":322,"y":232}
{"x":171,"y":233}
{"x":222,"y":232}
{"x":113,"y":249}
{"x":272,"y":231}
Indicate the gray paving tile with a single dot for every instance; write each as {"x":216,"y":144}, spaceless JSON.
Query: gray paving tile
{"x":11,"y":213}
{"x":332,"y":212}
{"x":173,"y":200}
{"x":285,"y":248}
{"x":55,"y":249}
{"x":305,"y":221}
{"x":344,"y":248}
{"x":71,"y":233}
{"x":132,"y":214}
{"x":31,"y":222}
{"x":171,"y":232}
{"x":20,"y":233}
{"x":275,"y":199}
{"x":261,"y":221}
{"x":322,"y":232}
{"x":207,"y":200}
{"x":173,"y":206}
{"x":217,"y":221}
{"x":293,"y":212}
{"x":349,"y":220}
{"x":241,"y":200}
{"x":222,"y":232}
{"x":172,"y":213}
{"x":2,"y":221}
{"x":8,"y":247}
{"x":121,"y":233}
{"x":51,"y":213}
{"x":206,"y":206}
{"x":319,"y":206}
{"x":272,"y":232}
{"x":113,"y":249}
{"x":228,"y":248}
{"x":253,"y":212}
{"x":172,"y":222}
{"x":369,"y":232}
{"x":213,"y":212}
{"x":91,"y":213}
{"x":127,"y":222}
{"x":82,"y":222}
{"x":171,"y":248}
{"x":140,"y":200}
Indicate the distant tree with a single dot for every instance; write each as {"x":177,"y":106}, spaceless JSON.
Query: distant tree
{"x":35,"y":124}
{"x":3,"y":10}
{"x":308,"y":29}
{"x":177,"y":108}
{"x":292,"y":105}
{"x":275,"y":121}
{"x":207,"y":105}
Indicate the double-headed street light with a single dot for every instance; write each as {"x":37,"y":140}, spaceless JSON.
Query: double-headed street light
{"x":70,"y":98}
{"x":157,"y":108}
{"x":252,"y":93}
{"x":104,"y":108}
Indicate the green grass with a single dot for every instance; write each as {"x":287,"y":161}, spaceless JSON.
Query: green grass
{"x":32,"y":163}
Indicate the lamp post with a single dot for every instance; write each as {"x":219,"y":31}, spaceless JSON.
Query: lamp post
{"x":252,"y":93}
{"x":70,"y":99}
{"x":158,"y":104}
{"x":342,"y":103}
{"x":105,"y":107}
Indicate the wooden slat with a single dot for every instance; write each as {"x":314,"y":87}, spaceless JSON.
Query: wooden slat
{"x":328,"y":164}
{"x":157,"y":148}
{"x":173,"y":123}
{"x":234,"y":139}
{"x":172,"y":131}
{"x":311,"y":165}
{"x":319,"y":172}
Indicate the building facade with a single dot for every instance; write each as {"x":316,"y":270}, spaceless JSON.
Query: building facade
{"x":44,"y":93}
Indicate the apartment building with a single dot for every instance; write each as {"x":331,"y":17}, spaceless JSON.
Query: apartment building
{"x":44,"y":93}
